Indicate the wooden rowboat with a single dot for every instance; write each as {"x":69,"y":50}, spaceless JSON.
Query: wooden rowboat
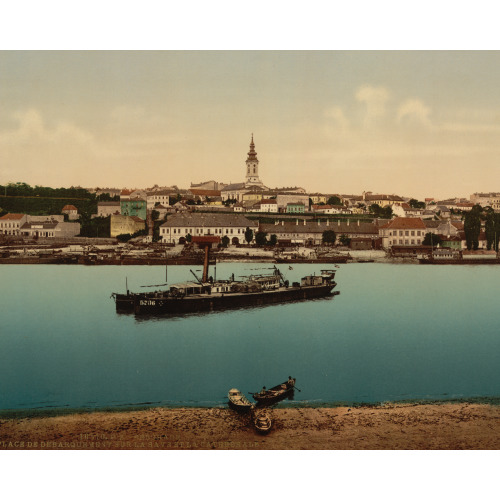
{"x":276,"y":393}
{"x":262,"y":423}
{"x":238,"y":401}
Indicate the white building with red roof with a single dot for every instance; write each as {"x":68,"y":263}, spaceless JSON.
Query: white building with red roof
{"x":403,"y":231}
{"x":268,"y":205}
{"x":11,"y":223}
{"x":71,"y":211}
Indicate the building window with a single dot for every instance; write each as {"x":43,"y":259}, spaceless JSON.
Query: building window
{"x":400,"y":233}
{"x":413,"y":233}
{"x":407,"y":233}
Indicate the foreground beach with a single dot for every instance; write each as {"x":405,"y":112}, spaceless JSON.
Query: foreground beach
{"x":388,"y":427}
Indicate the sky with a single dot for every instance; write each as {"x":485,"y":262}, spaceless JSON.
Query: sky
{"x":413,"y":123}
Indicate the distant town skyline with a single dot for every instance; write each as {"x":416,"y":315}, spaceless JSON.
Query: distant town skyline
{"x":412,"y":123}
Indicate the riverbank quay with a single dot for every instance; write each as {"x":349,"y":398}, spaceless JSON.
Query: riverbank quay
{"x":119,"y":255}
{"x":447,"y":426}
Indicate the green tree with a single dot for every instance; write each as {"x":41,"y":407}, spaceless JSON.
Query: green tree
{"x":377,"y":211}
{"x":329,"y":237}
{"x":261,"y":238}
{"x":472,"y":227}
{"x":334,"y":200}
{"x":225,"y":241}
{"x":416,"y":204}
{"x":344,"y":240}
{"x":432,"y":240}
{"x":273,"y":240}
{"x":189,"y":237}
{"x":492,"y":229}
{"x":248,"y":235}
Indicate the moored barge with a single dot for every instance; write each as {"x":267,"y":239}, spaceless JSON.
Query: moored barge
{"x":210,"y":295}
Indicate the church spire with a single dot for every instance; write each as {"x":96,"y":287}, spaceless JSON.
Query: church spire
{"x":252,"y":177}
{"x":252,"y":155}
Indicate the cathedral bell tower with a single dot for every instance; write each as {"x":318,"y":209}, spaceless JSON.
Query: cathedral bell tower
{"x":252,"y":177}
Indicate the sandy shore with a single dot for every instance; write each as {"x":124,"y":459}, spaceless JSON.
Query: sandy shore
{"x":395,"y":427}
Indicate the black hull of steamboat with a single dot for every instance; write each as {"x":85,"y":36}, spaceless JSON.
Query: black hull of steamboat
{"x":162,"y":306}
{"x":459,"y":262}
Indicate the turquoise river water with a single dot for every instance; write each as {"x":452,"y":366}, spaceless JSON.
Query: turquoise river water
{"x":395,"y":332}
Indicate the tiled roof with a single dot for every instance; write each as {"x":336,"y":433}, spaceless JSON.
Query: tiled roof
{"x":70,"y":207}
{"x":314,"y":227}
{"x":406,"y":223}
{"x":208,"y":220}
{"x":268,"y":202}
{"x":12,"y":216}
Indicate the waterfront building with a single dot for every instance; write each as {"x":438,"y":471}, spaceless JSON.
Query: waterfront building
{"x":11,"y":224}
{"x":179,"y":226}
{"x":50,"y":229}
{"x":307,"y":232}
{"x":403,"y":231}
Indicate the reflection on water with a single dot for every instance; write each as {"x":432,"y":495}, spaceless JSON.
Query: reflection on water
{"x":395,"y":332}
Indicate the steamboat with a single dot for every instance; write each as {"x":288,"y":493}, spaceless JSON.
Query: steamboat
{"x":460,"y":257}
{"x":207,"y":294}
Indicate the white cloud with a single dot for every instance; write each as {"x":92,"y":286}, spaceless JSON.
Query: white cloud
{"x":32,"y":130}
{"x":414,"y":111}
{"x":337,"y":115}
{"x":375,"y":100}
